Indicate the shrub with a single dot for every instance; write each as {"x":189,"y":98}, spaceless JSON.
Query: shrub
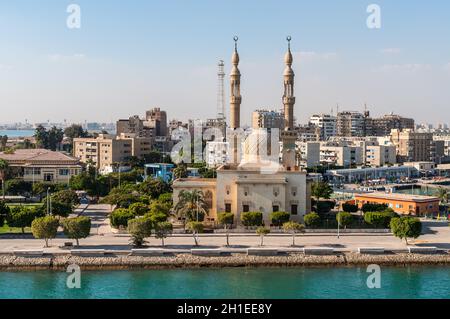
{"x":379,"y":219}
{"x":139,"y":229}
{"x":18,"y":187}
{"x":77,"y":228}
{"x":45,"y":228}
{"x":279,"y":218}
{"x":406,"y":227}
{"x":249,"y":219}
{"x":374,"y":207}
{"x":21,"y":217}
{"x":344,"y":219}
{"x":324,"y":207}
{"x":162,"y":230}
{"x":312,"y":220}
{"x":225,"y":219}
{"x":156,"y":218}
{"x":120,"y":217}
{"x":138,"y":209}
{"x":349,"y":208}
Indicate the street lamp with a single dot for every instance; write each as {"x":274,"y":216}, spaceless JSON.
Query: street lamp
{"x":49,"y":202}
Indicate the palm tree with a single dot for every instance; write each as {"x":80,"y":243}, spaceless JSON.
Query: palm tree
{"x":3,"y":168}
{"x":443,"y":195}
{"x":190,"y":205}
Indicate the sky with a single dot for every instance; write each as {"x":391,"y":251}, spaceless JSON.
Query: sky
{"x":130,"y":56}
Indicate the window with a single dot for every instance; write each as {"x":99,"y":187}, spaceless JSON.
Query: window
{"x":276,"y":208}
{"x":294,"y":209}
{"x":64,"y":172}
{"x":228,"y":208}
{"x":245,"y":208}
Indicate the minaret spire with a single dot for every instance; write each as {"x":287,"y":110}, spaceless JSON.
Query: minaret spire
{"x":288,"y":97}
{"x":235,"y":82}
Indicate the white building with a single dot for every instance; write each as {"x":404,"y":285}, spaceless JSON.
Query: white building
{"x":326,"y":123}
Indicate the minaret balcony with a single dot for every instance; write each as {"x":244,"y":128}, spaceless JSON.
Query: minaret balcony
{"x":289,"y":100}
{"x":235,"y":99}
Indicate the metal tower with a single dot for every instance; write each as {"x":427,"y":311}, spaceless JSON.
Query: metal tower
{"x":220,"y":91}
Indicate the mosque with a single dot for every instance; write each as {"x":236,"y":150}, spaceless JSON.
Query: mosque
{"x":253,"y":182}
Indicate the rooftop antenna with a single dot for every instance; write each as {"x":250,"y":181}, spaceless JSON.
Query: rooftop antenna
{"x":220,"y":91}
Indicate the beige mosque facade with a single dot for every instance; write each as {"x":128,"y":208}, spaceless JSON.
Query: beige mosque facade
{"x":254,"y":182}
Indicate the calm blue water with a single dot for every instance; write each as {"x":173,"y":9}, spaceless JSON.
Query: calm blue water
{"x":299,"y":283}
{"x":17,"y":133}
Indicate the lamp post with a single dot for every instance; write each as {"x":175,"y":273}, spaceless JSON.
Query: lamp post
{"x":338,"y":227}
{"x":49,"y":202}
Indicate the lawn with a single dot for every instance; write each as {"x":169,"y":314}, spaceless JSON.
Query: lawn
{"x":13,"y":230}
{"x":31,"y":205}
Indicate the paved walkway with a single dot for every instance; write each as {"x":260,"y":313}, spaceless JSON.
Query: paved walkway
{"x":435,"y":234}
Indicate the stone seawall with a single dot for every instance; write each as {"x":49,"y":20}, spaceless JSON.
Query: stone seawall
{"x":60,"y":262}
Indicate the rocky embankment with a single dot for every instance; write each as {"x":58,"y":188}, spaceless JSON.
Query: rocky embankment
{"x":60,"y":262}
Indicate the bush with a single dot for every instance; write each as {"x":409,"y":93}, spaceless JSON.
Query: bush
{"x":58,"y":208}
{"x":77,"y":228}
{"x":324,"y":207}
{"x":156,"y":218}
{"x":250,"y":219}
{"x":225,"y":219}
{"x":344,"y":219}
{"x":45,"y":228}
{"x":18,"y":187}
{"x":139,"y":229}
{"x":138,"y":209}
{"x":120,"y":217}
{"x":22,"y":216}
{"x":406,"y":227}
{"x":312,"y":220}
{"x":349,"y":208}
{"x":279,"y":218}
{"x":262,"y":231}
{"x":4,"y":211}
{"x":379,"y":219}
{"x":374,"y":207}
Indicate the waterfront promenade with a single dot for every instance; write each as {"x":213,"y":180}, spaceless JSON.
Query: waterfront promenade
{"x":436,"y":234}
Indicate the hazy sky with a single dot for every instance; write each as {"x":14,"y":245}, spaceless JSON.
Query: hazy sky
{"x":129,"y":56}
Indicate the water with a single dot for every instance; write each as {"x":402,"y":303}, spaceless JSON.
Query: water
{"x":426,"y":191}
{"x":17,"y":133}
{"x":277,"y":283}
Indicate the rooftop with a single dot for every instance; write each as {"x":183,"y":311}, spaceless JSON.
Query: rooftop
{"x":400,"y":197}
{"x":37,"y":155}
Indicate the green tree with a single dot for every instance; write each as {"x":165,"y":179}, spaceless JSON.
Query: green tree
{"x":138,"y":209}
{"x":66,"y":196}
{"x":18,"y":187}
{"x":77,"y":228}
{"x":45,"y":228}
{"x":42,"y":137}
{"x":443,"y":195}
{"x":321,"y":190}
{"x":120,"y":217}
{"x":379,"y":219}
{"x":312,"y":220}
{"x":4,"y":166}
{"x":191,"y":205}
{"x":22,"y":216}
{"x":74,"y":131}
{"x":349,"y":208}
{"x":226,"y":220}
{"x":162,"y":230}
{"x":406,"y":227}
{"x":3,"y":142}
{"x":196,"y":228}
{"x":279,"y":218}
{"x":262,"y":232}
{"x":139,"y":229}
{"x":180,"y":171}
{"x":4,"y":212}
{"x":293,"y":228}
{"x":374,"y":207}
{"x":154,"y":187}
{"x":344,"y":219}
{"x":57,"y":208}
{"x":251,"y":219}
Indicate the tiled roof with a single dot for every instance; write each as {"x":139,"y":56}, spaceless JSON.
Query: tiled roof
{"x":37,"y":155}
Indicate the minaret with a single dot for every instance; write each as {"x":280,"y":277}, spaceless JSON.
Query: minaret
{"x":288,"y":97}
{"x":235,"y":103}
{"x":235,"y":81}
{"x":288,"y":136}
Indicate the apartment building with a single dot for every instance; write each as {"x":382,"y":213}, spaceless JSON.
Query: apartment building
{"x":309,"y":154}
{"x":267,"y":119}
{"x":413,"y":146}
{"x":353,"y":124}
{"x":326,"y":123}
{"x":382,"y":126}
{"x":380,"y":155}
{"x":345,"y":156}
{"x":108,"y":150}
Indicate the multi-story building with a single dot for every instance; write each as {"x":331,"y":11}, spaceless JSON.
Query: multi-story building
{"x":40,"y":165}
{"x":326,"y":123}
{"x":134,"y":125}
{"x":413,"y":146}
{"x":309,"y":154}
{"x":353,"y":124}
{"x":105,"y":151}
{"x":380,"y":155}
{"x":345,"y":156}
{"x":267,"y":119}
{"x":382,"y":126}
{"x":157,"y":119}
